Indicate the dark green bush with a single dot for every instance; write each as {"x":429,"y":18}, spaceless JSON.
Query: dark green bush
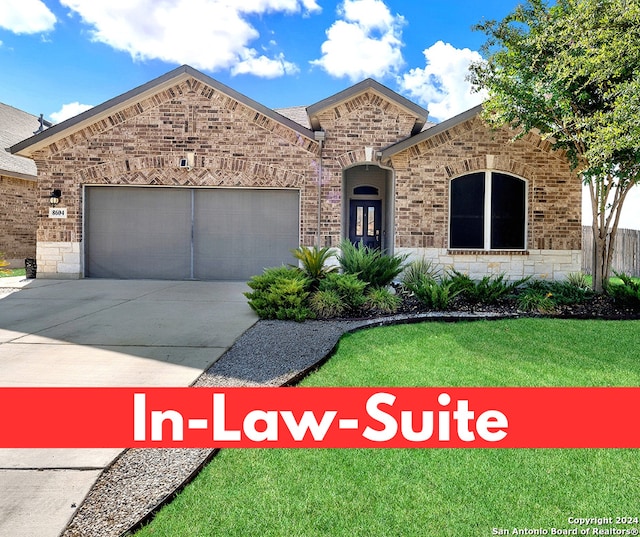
{"x":348,"y":287}
{"x":489,"y":290}
{"x":280,"y":293}
{"x":370,"y":265}
{"x":433,"y":294}
{"x":561,"y":293}
{"x":627,"y":293}
{"x":460,"y":282}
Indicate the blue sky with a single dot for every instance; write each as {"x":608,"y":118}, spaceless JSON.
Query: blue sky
{"x":278,"y":52}
{"x":59,"y":57}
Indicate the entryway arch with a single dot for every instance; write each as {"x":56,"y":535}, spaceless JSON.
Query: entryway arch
{"x":367,"y":206}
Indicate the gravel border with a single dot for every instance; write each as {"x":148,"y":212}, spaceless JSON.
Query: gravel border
{"x":271,"y":353}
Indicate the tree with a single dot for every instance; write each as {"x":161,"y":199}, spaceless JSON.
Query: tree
{"x":571,"y":72}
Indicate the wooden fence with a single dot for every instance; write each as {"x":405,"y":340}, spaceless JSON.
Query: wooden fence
{"x":626,"y":256}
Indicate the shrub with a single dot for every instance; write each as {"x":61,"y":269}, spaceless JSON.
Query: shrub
{"x":460,"y":283}
{"x":578,"y":279}
{"x":370,"y":265}
{"x":570,"y":292}
{"x":536,"y":299}
{"x":313,"y":261}
{"x":416,"y":269}
{"x":348,"y":287}
{"x":562,"y":293}
{"x":280,"y":293}
{"x":627,"y":293}
{"x":383,"y":300}
{"x":326,"y":304}
{"x":488,"y":290}
{"x":433,"y":294}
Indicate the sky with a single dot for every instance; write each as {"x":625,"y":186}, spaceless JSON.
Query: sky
{"x":60,"y":57}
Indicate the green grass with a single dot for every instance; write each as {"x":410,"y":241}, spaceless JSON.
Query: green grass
{"x":429,"y":492}
{"x":6,"y":273}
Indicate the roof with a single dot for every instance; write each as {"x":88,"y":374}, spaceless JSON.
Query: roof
{"x":297,"y":114}
{"x":430,"y":132}
{"x":63,"y":129}
{"x":15,"y":126}
{"x":369,"y":84}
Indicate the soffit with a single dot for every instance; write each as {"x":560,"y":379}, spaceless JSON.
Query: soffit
{"x":368,"y":85}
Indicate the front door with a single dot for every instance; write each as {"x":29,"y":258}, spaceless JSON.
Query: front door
{"x":365,"y":222}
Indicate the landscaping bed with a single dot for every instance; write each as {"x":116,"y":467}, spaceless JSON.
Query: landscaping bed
{"x":367,"y":284}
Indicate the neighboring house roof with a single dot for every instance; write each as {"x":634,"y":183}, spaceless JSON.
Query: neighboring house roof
{"x":369,"y":84}
{"x":15,"y":126}
{"x":430,"y":132}
{"x":59,"y":131}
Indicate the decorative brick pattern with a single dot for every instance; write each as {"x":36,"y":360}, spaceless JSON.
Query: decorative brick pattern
{"x":18,"y":227}
{"x":235,"y":146}
{"x":424,"y":171}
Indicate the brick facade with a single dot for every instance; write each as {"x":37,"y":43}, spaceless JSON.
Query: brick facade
{"x":140,"y":142}
{"x":18,"y":229}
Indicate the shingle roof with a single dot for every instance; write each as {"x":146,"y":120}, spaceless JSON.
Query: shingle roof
{"x":15,"y":126}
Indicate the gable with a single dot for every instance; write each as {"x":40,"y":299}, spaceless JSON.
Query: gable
{"x":367,"y":93}
{"x":163,"y":89}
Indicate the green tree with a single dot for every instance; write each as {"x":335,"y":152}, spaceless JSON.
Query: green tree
{"x":571,"y":72}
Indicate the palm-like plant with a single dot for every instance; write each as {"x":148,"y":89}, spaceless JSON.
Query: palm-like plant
{"x":313,"y":262}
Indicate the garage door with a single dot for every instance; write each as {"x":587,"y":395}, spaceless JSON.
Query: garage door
{"x":174,"y":233}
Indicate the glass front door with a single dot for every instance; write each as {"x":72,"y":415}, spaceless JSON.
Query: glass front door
{"x":365,"y":222}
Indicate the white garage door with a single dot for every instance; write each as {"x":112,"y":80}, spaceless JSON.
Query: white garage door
{"x":175,"y":233}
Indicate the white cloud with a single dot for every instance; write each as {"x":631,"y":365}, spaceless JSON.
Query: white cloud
{"x":262,"y":66}
{"x":69,"y":110}
{"x":366,"y":42}
{"x":26,"y":16}
{"x":207,"y":34}
{"x":442,"y":84}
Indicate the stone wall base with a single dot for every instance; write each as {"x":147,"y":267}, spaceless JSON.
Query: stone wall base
{"x":542,"y":264}
{"x":59,"y":260}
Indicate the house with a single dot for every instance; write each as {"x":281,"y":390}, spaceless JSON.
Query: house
{"x":17,"y":187}
{"x":184,"y":178}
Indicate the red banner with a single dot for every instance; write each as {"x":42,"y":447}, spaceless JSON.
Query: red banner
{"x":320,"y":417}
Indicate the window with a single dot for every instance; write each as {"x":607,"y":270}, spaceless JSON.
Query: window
{"x":366,"y":191}
{"x":488,"y":212}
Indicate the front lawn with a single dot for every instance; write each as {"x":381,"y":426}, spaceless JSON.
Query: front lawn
{"x":430,"y":492}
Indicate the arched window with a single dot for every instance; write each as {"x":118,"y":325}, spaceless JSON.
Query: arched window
{"x":366,"y":191}
{"x":488,"y":212}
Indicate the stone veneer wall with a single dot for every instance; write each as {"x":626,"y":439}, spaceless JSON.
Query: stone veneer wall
{"x":544,"y":264}
{"x":18,"y":224}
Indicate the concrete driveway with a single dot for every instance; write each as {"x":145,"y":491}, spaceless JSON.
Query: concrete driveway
{"x":99,"y":333}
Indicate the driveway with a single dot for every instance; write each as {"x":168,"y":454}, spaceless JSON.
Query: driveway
{"x":99,"y":333}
